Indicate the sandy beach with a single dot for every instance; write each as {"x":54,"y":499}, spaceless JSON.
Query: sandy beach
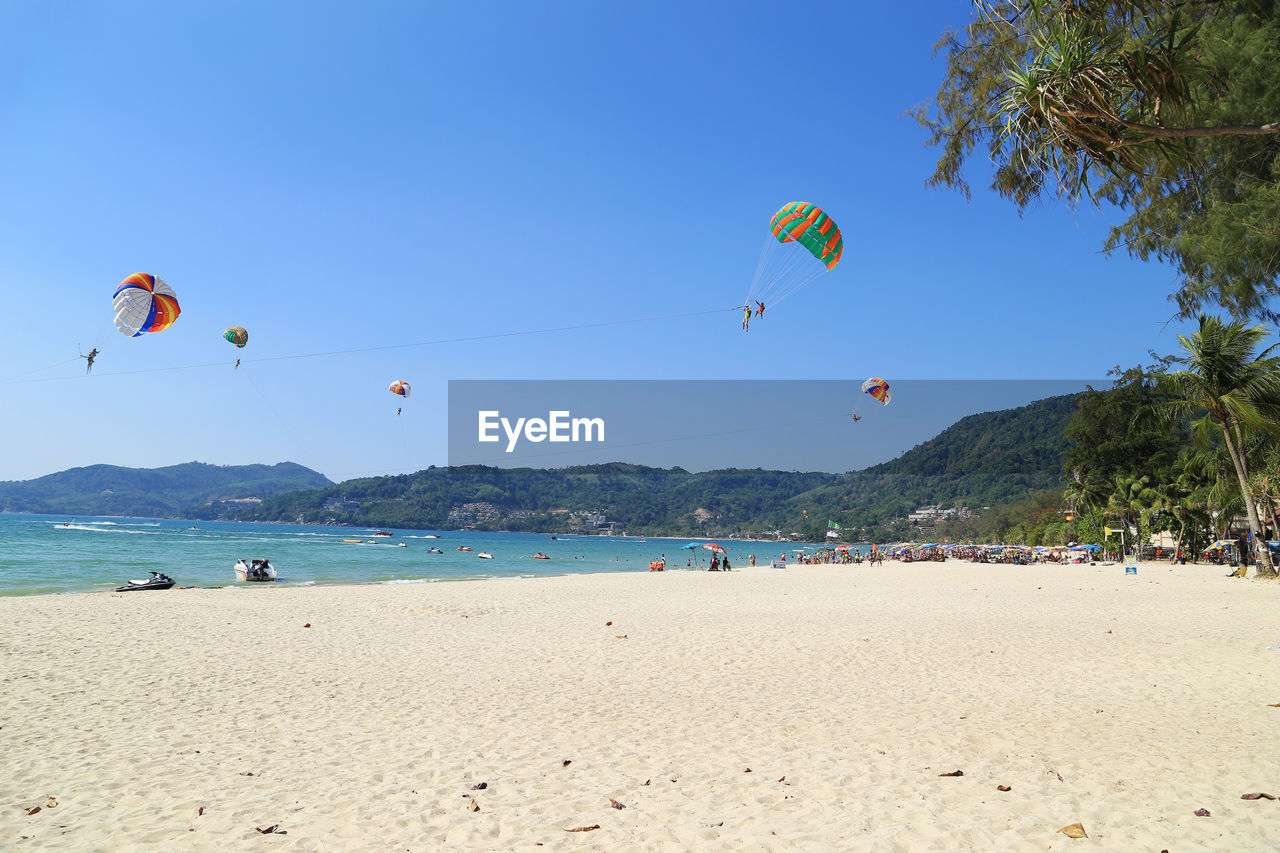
{"x":813,"y":708}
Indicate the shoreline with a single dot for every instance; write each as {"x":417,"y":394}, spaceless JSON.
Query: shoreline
{"x":367,"y":713}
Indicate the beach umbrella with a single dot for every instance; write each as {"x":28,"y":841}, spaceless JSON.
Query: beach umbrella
{"x":693,"y":548}
{"x":711,"y":546}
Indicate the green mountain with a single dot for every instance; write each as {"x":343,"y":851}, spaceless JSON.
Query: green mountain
{"x":632,"y":497}
{"x":982,"y":460}
{"x":188,"y":490}
{"x":985,"y":460}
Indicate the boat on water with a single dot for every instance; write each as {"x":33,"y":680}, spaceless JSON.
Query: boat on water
{"x":354,"y":541}
{"x":463,"y":548}
{"x":541,"y":557}
{"x":255,"y":570}
{"x":434,"y":551}
{"x":383,"y":533}
{"x":484,"y":555}
{"x":158,"y":580}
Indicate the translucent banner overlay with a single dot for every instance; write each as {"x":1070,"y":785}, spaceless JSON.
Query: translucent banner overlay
{"x":702,"y":425}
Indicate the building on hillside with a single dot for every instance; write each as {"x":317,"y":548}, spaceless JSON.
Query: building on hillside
{"x":475,"y":512}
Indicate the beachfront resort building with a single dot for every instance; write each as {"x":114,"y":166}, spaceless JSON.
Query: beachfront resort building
{"x":932,"y":514}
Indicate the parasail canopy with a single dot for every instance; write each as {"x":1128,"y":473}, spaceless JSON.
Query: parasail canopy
{"x":808,"y":225}
{"x":878,"y":388}
{"x":803,"y":243}
{"x":237,"y":336}
{"x":144,"y":303}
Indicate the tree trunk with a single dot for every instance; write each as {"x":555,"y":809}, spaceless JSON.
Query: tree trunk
{"x":1265,"y":567}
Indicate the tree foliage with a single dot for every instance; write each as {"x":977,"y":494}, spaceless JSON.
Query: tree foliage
{"x":1169,"y":109}
{"x":1237,"y":389}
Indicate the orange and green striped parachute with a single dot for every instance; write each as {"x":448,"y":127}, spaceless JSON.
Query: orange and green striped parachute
{"x":803,"y":243}
{"x":236,"y":335}
{"x":809,"y":226}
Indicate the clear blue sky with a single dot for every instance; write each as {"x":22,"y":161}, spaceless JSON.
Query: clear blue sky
{"x":359,"y":175}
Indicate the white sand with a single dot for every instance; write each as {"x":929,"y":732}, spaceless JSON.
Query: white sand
{"x":1122,"y":703}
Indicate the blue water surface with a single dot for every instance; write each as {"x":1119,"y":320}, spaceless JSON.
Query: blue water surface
{"x":56,"y":553}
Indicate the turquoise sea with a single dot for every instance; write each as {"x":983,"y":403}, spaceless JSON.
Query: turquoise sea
{"x":56,"y":553}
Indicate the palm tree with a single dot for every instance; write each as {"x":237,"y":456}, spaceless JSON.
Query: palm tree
{"x":1173,"y":499}
{"x":1200,"y":474}
{"x":1236,"y":390}
{"x":1086,"y":496}
{"x":1131,"y":499}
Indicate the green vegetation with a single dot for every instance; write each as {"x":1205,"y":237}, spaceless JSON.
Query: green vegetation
{"x":176,"y":491}
{"x":984,"y":459}
{"x":1168,"y":109}
{"x":1187,"y":447}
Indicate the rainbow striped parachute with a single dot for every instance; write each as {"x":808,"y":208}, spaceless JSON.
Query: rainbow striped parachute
{"x":803,"y":243}
{"x":878,"y":388}
{"x":145,"y":303}
{"x":237,"y":336}
{"x":399,"y":387}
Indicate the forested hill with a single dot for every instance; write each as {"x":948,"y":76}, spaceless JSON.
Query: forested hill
{"x":633,"y":497}
{"x":177,"y":490}
{"x":982,"y":460}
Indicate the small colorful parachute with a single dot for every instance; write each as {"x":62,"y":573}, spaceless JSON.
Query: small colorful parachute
{"x":237,"y":336}
{"x":145,"y":303}
{"x":878,"y":388}
{"x":399,"y":387}
{"x":804,"y":243}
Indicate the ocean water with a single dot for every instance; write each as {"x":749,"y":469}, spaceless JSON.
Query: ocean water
{"x":54,"y":553}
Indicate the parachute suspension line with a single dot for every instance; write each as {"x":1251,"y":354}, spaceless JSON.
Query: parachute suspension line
{"x":266,"y":401}
{"x":795,"y":281}
{"x":33,"y":371}
{"x":437,"y":342}
{"x":762,"y":269}
{"x":783,"y":269}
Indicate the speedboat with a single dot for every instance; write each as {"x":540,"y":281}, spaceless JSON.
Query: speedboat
{"x":463,"y":548}
{"x":434,"y":551}
{"x":156,"y":581}
{"x":255,"y":570}
{"x":484,"y":555}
